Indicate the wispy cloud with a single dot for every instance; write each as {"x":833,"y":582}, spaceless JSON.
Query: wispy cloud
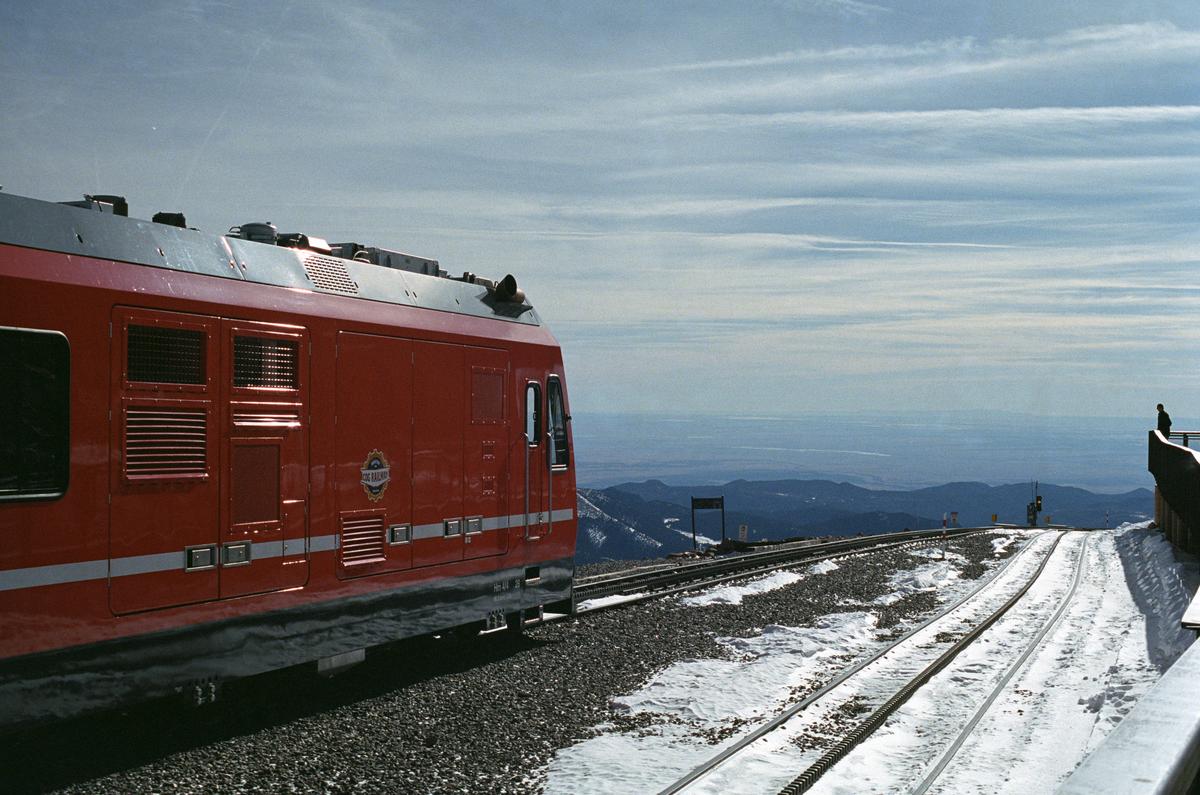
{"x":1133,"y":40}
{"x":840,"y":203}
{"x":959,"y":119}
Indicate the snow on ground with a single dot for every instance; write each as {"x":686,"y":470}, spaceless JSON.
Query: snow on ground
{"x":773,"y":761}
{"x":1118,"y":633}
{"x":734,"y":594}
{"x":1113,"y":644}
{"x":764,"y":674}
{"x":824,"y":567}
{"x":1001,"y":545}
{"x":700,"y":537}
{"x":714,"y":695}
{"x":940,"y":573}
{"x":607,"y":601}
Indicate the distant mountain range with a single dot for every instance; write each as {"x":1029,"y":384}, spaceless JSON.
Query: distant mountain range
{"x":652,"y":519}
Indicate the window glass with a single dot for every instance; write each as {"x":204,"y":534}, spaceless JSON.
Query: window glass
{"x":35,"y":381}
{"x":533,"y":413}
{"x":558,"y":422}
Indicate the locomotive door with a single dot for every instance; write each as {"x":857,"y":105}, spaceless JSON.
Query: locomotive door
{"x":264,"y":458}
{"x":486,"y":454}
{"x":536,"y":474}
{"x":438,"y":408}
{"x":163,"y":481}
{"x":547,"y":455}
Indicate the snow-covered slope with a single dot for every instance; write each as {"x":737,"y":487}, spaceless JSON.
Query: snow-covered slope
{"x":602,"y":535}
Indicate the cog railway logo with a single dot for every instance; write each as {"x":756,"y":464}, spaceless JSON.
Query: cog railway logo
{"x":375,"y":475}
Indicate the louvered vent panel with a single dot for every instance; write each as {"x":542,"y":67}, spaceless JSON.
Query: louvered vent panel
{"x":166,"y":355}
{"x":162,"y":442}
{"x":362,"y":541}
{"x":266,"y":419}
{"x":329,"y":273}
{"x":265,"y":362}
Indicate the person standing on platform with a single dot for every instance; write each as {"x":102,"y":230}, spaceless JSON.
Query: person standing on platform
{"x":1164,"y":421}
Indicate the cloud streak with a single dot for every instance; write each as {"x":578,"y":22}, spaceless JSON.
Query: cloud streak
{"x":835,"y":202}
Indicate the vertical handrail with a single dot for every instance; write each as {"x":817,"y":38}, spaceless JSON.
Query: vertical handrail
{"x":550,"y":458}
{"x":525,"y":437}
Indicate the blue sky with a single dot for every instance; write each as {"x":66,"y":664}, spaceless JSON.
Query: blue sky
{"x":829,"y":205}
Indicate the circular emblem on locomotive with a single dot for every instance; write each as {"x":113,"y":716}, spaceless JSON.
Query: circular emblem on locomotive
{"x":375,"y":475}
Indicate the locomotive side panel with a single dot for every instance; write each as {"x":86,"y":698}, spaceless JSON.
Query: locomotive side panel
{"x":247,"y":480}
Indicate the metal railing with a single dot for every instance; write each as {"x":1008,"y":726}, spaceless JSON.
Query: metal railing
{"x":1176,"y":471}
{"x":1183,"y":437}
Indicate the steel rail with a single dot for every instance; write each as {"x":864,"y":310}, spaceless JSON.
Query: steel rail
{"x":680,"y":582}
{"x":876,"y":719}
{"x":716,"y":761}
{"x":965,"y":732}
{"x":609,"y":585}
{"x":742,"y":574}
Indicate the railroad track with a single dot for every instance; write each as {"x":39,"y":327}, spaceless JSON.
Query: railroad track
{"x":980,"y":613}
{"x":947,"y":755}
{"x":659,"y":582}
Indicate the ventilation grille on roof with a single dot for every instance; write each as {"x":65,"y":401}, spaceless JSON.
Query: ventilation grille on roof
{"x":265,"y":362}
{"x":362,"y":541}
{"x":162,"y":442}
{"x":329,"y":273}
{"x":166,"y":355}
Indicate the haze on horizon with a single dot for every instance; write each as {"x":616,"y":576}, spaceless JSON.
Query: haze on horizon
{"x":782,"y":207}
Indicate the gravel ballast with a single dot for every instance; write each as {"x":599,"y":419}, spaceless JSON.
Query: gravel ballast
{"x":433,"y":715}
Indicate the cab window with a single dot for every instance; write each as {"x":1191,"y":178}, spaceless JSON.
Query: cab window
{"x":533,"y":413}
{"x":35,"y":382}
{"x":558,"y":421}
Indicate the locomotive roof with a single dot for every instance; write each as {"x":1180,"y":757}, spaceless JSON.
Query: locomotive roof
{"x":81,"y":230}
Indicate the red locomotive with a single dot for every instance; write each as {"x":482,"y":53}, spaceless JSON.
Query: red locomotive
{"x":226,"y":454}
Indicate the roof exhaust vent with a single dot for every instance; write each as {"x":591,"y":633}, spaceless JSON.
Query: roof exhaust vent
{"x":119,"y":205}
{"x":170,"y":219}
{"x":507,"y":290}
{"x":298,"y":240}
{"x":263,"y":232}
{"x":114,"y":205}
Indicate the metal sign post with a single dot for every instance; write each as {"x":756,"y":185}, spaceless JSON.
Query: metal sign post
{"x":705,"y":504}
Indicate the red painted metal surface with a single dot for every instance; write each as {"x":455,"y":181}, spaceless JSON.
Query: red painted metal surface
{"x":435,"y":399}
